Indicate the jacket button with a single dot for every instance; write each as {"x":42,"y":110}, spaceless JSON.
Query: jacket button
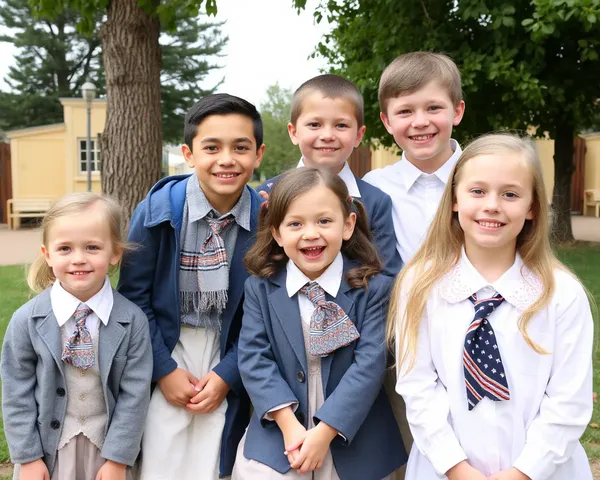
{"x":60,"y":392}
{"x":300,"y":376}
{"x":300,"y":417}
{"x":55,"y":424}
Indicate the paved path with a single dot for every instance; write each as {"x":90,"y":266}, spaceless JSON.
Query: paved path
{"x":22,"y":246}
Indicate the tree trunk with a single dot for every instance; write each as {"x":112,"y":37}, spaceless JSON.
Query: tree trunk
{"x":132,"y":137}
{"x":563,"y":172}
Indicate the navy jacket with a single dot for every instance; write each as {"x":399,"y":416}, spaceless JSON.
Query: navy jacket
{"x":150,"y":278}
{"x":379,"y":210}
{"x":273,"y":365}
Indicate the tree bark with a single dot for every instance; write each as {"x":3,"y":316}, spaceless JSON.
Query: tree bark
{"x":132,"y":137}
{"x":563,"y":172}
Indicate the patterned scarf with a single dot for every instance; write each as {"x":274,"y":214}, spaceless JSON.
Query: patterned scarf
{"x":204,"y":272}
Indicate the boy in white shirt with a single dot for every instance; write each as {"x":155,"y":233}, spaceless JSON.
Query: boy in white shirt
{"x":420,"y":98}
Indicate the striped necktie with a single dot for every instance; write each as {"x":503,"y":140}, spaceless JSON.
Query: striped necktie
{"x":482,"y":363}
{"x":79,"y":349}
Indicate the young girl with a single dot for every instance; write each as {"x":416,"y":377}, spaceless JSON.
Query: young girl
{"x":312,"y":354}
{"x":494,"y":336}
{"x":76,"y":359}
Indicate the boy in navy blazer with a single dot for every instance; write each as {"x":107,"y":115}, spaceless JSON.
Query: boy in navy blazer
{"x":327,"y":123}
{"x":187,"y":274}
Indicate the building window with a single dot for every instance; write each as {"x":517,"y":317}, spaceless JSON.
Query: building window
{"x":95,"y":155}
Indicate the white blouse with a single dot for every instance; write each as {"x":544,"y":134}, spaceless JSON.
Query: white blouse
{"x":538,"y":429}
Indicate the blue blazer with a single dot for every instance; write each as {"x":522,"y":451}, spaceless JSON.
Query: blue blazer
{"x":150,"y":278}
{"x":379,"y":211}
{"x":273,"y":365}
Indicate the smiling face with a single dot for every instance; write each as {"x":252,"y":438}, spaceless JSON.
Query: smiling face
{"x":79,"y":249}
{"x":224,"y":155}
{"x":494,"y":195}
{"x":313,"y":229}
{"x":326,"y":131}
{"x":421,"y":124}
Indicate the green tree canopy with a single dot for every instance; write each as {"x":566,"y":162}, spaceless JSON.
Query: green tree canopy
{"x":280,"y":152}
{"x":130,"y":34}
{"x":523,"y":63}
{"x":55,"y":59}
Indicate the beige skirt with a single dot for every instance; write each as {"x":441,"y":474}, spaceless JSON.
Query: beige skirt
{"x":79,"y":459}
{"x":178,"y":445}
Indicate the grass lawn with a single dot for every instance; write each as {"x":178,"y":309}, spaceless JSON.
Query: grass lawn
{"x":582,"y":258}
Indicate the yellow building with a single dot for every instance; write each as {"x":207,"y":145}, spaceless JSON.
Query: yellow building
{"x":50,"y":160}
{"x":382,"y":157}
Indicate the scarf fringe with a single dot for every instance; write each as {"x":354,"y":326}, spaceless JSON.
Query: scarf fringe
{"x":202,"y":304}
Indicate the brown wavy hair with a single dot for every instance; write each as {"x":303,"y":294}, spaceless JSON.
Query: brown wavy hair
{"x":266,"y":257}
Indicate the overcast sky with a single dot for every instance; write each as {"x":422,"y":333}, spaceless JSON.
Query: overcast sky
{"x":268,"y":42}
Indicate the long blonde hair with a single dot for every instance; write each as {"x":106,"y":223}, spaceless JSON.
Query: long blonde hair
{"x":40,"y":275}
{"x":441,"y":250}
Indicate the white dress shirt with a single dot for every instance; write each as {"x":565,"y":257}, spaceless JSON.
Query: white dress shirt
{"x":415,"y":198}
{"x":347,"y":176}
{"x":538,"y":429}
{"x":64,"y":305}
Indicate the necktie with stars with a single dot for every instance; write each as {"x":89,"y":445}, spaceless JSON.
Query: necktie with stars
{"x":482,"y":363}
{"x":79,"y":349}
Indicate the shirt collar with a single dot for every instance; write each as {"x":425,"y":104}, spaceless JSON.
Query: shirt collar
{"x":64,"y":304}
{"x":411,"y":173}
{"x":346,"y":175}
{"x":330,"y":280}
{"x":199,"y":206}
{"x":518,"y":285}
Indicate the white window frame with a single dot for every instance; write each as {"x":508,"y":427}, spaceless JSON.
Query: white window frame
{"x":82,"y":151}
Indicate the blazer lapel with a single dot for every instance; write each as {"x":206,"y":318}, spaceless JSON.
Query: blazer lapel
{"x":110,"y":338}
{"x":287,"y":312}
{"x":347,"y":305}
{"x":49,"y":332}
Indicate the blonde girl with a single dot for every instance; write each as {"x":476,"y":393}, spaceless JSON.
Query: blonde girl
{"x":493,"y":335}
{"x":76,"y":359}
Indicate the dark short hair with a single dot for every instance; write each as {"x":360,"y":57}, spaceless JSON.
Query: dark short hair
{"x":220,"y":104}
{"x":330,"y":86}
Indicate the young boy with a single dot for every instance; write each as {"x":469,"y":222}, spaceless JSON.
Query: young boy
{"x":186,"y":272}
{"x":420,"y":98}
{"x":327,"y":124}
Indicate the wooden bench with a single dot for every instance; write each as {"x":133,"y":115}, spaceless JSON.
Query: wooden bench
{"x":26,"y":208}
{"x":591,"y":198}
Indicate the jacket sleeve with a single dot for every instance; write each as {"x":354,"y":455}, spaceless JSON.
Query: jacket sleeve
{"x":122,"y":442}
{"x":349,"y":404}
{"x":258,"y":367}
{"x":136,"y":284}
{"x":382,"y":226}
{"x":228,"y":369}
{"x":19,"y":408}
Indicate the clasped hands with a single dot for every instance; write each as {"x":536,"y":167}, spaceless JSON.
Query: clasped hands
{"x":182,"y":389}
{"x":306,"y":449}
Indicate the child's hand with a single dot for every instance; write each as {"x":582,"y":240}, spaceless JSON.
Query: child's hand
{"x":293,"y":438}
{"x":464,"y":471}
{"x":112,"y":471}
{"x":35,"y":470}
{"x":178,"y":387}
{"x":212,"y":391}
{"x":509,"y":474}
{"x":314,"y":449}
{"x":264,"y":195}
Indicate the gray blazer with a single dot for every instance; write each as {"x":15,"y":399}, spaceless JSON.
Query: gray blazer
{"x":34,"y":399}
